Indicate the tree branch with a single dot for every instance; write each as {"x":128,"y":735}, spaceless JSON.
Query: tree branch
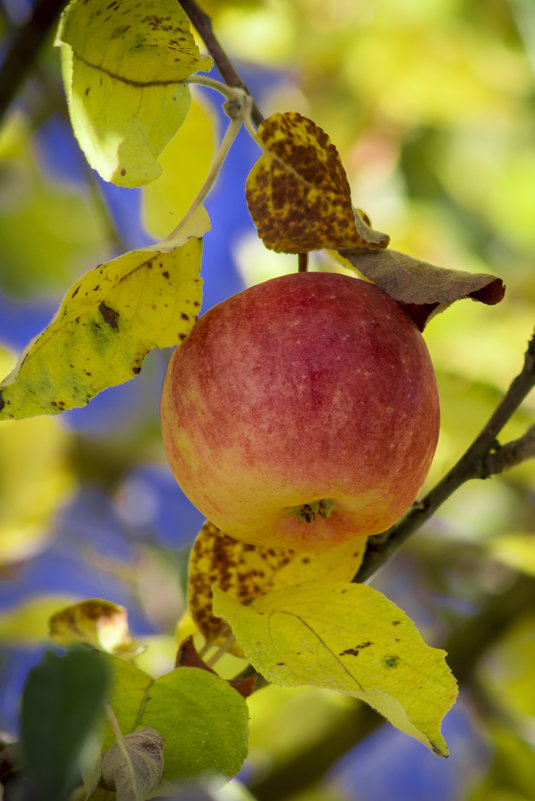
{"x":24,"y":49}
{"x":203,"y":24}
{"x":483,"y":458}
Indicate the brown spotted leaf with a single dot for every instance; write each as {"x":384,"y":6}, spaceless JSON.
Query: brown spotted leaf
{"x":423,"y":289}
{"x":100,"y":623}
{"x":298,"y":194}
{"x":107,"y":323}
{"x":246,"y":572}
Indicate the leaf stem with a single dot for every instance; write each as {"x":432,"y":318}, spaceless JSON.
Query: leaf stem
{"x":222,"y":152}
{"x":482,"y":459}
{"x":221,"y":651}
{"x":114,"y":723}
{"x":203,"y":24}
{"x":302,"y":262}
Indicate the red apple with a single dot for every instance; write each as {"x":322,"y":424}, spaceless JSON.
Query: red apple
{"x":302,"y":412}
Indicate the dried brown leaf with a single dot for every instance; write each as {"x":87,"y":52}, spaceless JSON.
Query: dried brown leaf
{"x":135,"y":766}
{"x":298,"y":194}
{"x":423,"y":289}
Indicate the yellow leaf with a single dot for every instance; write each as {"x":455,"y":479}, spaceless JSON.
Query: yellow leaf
{"x":246,"y":572}
{"x":105,"y":326}
{"x":34,"y":479}
{"x":100,"y":623}
{"x":124,"y":67}
{"x":185,"y":162}
{"x":28,"y":622}
{"x":298,"y":194}
{"x":347,"y":637}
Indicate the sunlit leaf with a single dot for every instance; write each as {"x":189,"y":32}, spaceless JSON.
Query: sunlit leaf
{"x":347,"y":637}
{"x":247,"y":571}
{"x":185,"y":163}
{"x":124,"y":65}
{"x":105,"y":326}
{"x":134,"y":767}
{"x":97,"y":622}
{"x":298,"y":193}
{"x":424,"y":290}
{"x":204,"y":721}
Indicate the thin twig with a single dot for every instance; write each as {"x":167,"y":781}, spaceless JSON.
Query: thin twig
{"x":24,"y":49}
{"x":477,"y":462}
{"x":203,"y":24}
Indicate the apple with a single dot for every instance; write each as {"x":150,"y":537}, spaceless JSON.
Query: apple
{"x":302,"y":412}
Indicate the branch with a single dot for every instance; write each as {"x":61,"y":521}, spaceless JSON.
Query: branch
{"x":24,"y":49}
{"x":483,"y":458}
{"x":203,"y":24}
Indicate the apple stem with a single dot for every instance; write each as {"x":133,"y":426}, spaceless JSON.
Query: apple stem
{"x":309,"y":511}
{"x":302,"y":262}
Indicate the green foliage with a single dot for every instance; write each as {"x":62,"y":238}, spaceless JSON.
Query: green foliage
{"x":203,"y":721}
{"x":61,"y":702}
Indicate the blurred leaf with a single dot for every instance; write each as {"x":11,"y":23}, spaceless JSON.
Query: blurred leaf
{"x":246,"y":572}
{"x":123,"y":72}
{"x":48,"y":230}
{"x":106,"y":325}
{"x":202,"y":719}
{"x":515,"y":550}
{"x":61,"y":701}
{"x":27,"y":622}
{"x":347,"y":637}
{"x":298,"y":194}
{"x":134,"y":767}
{"x":96,"y":622}
{"x":185,"y":163}
{"x":34,"y":480}
{"x":422,"y":289}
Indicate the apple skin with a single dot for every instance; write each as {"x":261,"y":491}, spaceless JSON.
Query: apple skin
{"x":311,"y":387}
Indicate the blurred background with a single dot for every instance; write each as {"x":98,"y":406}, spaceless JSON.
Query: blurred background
{"x":431,"y":104}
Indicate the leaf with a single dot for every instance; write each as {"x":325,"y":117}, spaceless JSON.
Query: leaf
{"x":124,"y":64}
{"x":35,"y":478}
{"x":424,"y":290}
{"x":61,"y":701}
{"x":105,"y":326}
{"x":246,"y":572}
{"x":185,"y":163}
{"x":135,"y":766}
{"x":27,"y":622}
{"x":298,"y":194}
{"x":347,"y":637}
{"x":97,"y":622}
{"x":204,"y":721}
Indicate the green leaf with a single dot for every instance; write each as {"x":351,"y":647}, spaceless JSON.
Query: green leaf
{"x":61,"y":702}
{"x":135,"y":765}
{"x":347,"y":637}
{"x":105,"y":326}
{"x":204,"y":721}
{"x":124,"y":64}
